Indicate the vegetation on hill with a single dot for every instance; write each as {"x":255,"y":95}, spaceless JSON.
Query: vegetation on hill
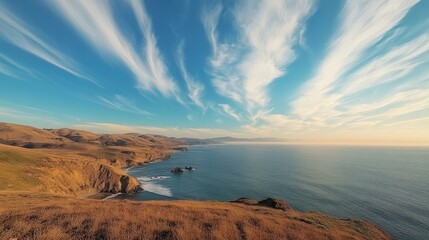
{"x":43,"y":170}
{"x":75,"y":162}
{"x":40,"y":216}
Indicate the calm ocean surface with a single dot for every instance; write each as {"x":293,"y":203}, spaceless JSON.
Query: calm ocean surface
{"x":386,"y":185}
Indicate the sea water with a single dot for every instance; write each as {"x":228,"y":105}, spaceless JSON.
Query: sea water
{"x":385,"y":185}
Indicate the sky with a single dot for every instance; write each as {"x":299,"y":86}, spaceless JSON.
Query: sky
{"x":351,"y":72}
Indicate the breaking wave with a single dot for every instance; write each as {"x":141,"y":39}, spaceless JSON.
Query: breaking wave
{"x":149,"y":185}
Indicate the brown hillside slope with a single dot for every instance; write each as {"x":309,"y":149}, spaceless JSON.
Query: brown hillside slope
{"x":74,"y":162}
{"x":39,"y":216}
{"x":29,"y":137}
{"x":115,"y":149}
{"x":59,"y":172}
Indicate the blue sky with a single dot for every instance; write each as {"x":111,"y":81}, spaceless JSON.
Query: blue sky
{"x":308,"y":71}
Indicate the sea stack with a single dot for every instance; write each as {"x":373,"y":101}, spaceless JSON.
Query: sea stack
{"x":177,"y":170}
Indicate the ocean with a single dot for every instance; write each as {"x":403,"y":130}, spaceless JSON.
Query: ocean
{"x":385,"y":185}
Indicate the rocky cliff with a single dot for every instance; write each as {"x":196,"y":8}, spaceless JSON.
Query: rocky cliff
{"x":108,"y":179}
{"x":69,"y":161}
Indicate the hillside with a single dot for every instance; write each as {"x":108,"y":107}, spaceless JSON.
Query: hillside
{"x":75,"y":162}
{"x":41,"y":216}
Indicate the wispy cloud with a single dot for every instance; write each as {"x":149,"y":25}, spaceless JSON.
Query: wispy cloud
{"x":210,"y":19}
{"x":169,"y":131}
{"x":6,"y":70}
{"x":26,"y":115}
{"x":372,"y":78}
{"x":14,"y":63}
{"x":95,"y":21}
{"x":266,"y":31}
{"x":16,"y":32}
{"x":16,"y":69}
{"x":270,"y":30}
{"x":154,"y":62}
{"x":229,"y":111}
{"x":189,"y":117}
{"x":119,"y":102}
{"x":391,"y":66}
{"x":224,"y":56}
{"x":195,"y":89}
{"x":362,"y":24}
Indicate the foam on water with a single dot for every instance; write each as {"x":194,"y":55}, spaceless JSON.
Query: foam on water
{"x":149,"y":185}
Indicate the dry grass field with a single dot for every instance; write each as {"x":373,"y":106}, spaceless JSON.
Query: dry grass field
{"x":41,"y":216}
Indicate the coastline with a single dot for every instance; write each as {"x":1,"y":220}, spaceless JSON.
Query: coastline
{"x":70,"y":177}
{"x":126,"y":169}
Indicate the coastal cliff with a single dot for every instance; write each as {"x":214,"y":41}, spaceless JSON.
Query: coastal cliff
{"x":75,"y":162}
{"x":111,"y":180}
{"x":24,"y":169}
{"x":43,"y":171}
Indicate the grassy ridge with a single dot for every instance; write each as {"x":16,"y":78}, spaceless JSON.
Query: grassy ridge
{"x":74,"y":162}
{"x":50,"y":217}
{"x":18,"y":169}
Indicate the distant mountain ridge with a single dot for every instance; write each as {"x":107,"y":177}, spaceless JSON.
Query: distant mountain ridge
{"x":220,"y":140}
{"x":233,"y":139}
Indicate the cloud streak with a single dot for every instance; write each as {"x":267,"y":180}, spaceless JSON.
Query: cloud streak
{"x":266,"y":31}
{"x":362,"y":24}
{"x":17,"y":33}
{"x":95,"y":22}
{"x":372,"y":78}
{"x":195,"y":89}
{"x":119,"y":102}
{"x":102,"y":127}
{"x":229,"y":111}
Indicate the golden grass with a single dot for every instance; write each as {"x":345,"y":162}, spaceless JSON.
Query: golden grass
{"x":41,"y":216}
{"x":73,"y":162}
{"x":58,"y":171}
{"x":67,"y":161}
{"x":113,"y":149}
{"x":18,"y":169}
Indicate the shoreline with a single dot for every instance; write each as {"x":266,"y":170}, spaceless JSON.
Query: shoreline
{"x":106,"y":196}
{"x":77,"y":181}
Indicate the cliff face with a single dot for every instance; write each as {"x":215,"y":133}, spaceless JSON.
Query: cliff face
{"x":42,"y":170}
{"x":69,"y":161}
{"x":81,"y":177}
{"x":108,"y":179}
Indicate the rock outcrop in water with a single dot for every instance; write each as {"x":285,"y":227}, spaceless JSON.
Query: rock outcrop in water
{"x":177,"y":170}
